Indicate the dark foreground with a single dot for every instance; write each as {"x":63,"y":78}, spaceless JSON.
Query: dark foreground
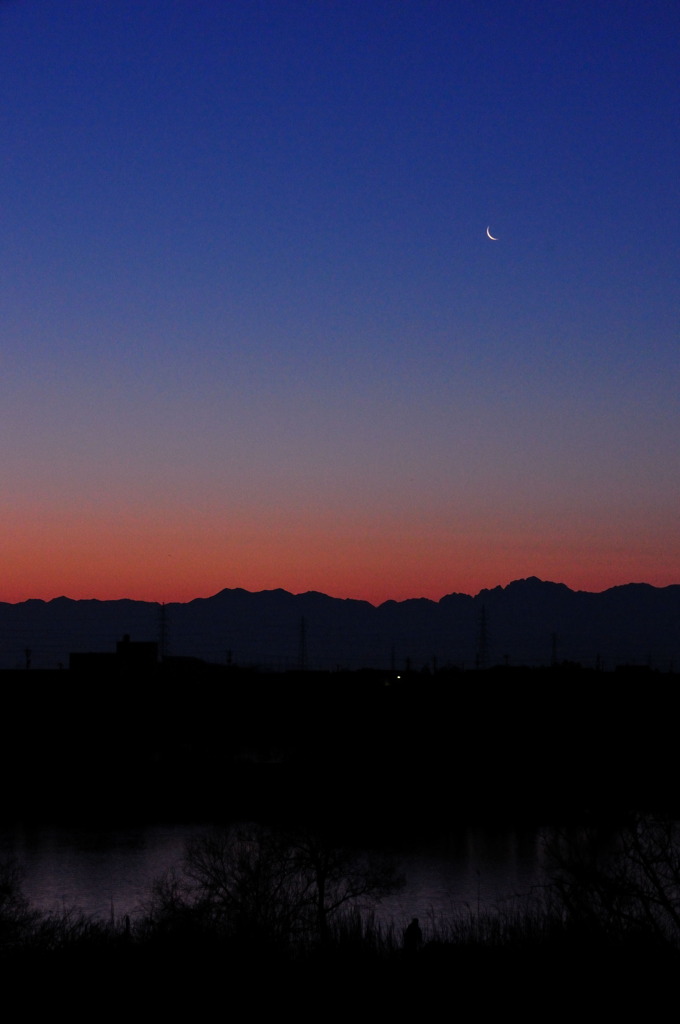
{"x":374,"y":750}
{"x":366,"y":755}
{"x":531,"y":983}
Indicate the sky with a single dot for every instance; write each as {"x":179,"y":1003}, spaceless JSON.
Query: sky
{"x":253,"y":332}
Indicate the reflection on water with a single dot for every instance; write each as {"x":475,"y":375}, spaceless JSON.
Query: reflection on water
{"x":104,"y":873}
{"x":469,"y":871}
{"x":95,"y":871}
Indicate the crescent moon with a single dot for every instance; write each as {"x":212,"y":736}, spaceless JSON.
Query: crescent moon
{"x":491,"y":236}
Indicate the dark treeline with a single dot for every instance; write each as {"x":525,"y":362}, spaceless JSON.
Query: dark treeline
{"x":379,"y":751}
{"x":283,"y":917}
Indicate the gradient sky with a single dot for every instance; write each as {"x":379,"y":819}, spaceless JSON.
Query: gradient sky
{"x":253,"y":333}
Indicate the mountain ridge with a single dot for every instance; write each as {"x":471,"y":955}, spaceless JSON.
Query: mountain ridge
{"x":528,"y":621}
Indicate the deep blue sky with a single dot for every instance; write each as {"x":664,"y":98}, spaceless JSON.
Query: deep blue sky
{"x":253,"y":331}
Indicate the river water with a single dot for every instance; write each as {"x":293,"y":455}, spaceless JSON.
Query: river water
{"x":109,"y":873}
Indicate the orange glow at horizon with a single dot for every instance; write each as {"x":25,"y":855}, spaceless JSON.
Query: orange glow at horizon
{"x":172,"y":562}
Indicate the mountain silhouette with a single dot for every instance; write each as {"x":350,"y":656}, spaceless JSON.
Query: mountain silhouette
{"x":527,"y":622}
